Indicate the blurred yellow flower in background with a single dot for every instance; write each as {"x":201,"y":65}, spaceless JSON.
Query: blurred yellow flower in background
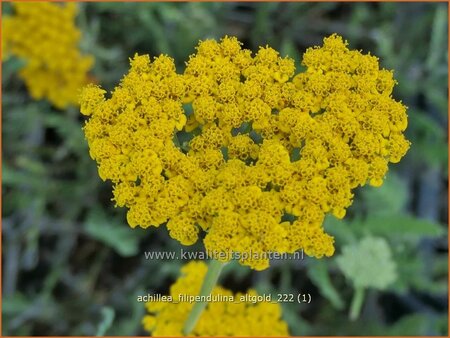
{"x":44,"y":35}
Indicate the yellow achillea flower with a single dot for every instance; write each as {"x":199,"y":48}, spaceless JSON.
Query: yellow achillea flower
{"x":264,"y":144}
{"x":220,"y":318}
{"x":45,"y":36}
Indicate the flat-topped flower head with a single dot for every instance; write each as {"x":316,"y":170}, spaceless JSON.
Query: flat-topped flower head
{"x":44,"y":35}
{"x":269,"y":153}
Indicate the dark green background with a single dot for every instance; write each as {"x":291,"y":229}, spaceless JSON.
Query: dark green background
{"x":70,"y":261}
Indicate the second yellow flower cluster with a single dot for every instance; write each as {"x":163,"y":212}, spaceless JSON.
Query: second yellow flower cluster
{"x":222,"y":317}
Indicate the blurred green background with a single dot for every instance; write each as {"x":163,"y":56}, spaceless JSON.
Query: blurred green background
{"x":72,"y":266}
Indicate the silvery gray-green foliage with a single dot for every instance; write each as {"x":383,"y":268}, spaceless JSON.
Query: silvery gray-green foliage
{"x":368,"y":263}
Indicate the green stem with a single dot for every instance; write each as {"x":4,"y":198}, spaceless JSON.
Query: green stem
{"x":357,"y":301}
{"x":214,"y":269}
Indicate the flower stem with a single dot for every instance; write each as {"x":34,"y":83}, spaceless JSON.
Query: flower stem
{"x":214,"y":269}
{"x":357,"y":301}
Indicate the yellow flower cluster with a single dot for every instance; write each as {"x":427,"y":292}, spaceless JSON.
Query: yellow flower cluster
{"x":44,"y":35}
{"x":220,"y":318}
{"x":265,"y":146}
